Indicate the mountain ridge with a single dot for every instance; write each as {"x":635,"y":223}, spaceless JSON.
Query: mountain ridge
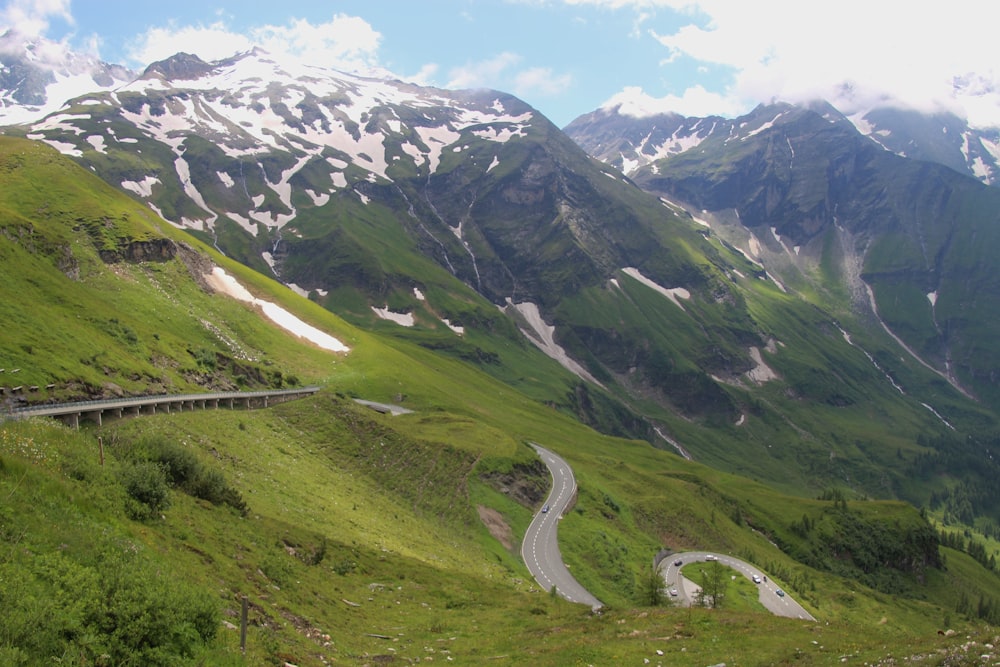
{"x":466,"y":223}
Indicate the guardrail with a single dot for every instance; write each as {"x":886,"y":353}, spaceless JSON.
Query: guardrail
{"x":74,"y":411}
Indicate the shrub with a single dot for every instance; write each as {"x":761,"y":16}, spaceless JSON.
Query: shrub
{"x":179,"y":464}
{"x":114,"y":607}
{"x":146,"y":486}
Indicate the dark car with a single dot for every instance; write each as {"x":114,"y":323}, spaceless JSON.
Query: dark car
{"x":678,"y":562}
{"x":780,"y":593}
{"x":545,"y":509}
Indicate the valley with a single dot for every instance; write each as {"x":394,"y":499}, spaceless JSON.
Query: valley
{"x":722,"y":340}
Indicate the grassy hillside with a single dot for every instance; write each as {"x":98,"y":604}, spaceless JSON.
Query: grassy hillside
{"x":363,"y":538}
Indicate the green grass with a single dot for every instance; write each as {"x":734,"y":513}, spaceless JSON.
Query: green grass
{"x":365,"y":527}
{"x":423,"y":571}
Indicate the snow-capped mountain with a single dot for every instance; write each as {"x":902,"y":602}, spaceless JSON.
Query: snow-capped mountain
{"x":38,"y":76}
{"x":255,"y":141}
{"x":631,"y":142}
{"x":941,"y":137}
{"x":465,"y":222}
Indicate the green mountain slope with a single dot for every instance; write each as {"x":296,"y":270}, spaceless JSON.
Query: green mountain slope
{"x":355,"y":536}
{"x":464,"y":222}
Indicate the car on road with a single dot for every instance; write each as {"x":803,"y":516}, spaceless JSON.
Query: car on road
{"x":756,"y":579}
{"x":780,"y":593}
{"x":711,"y":557}
{"x":545,"y":510}
{"x":678,"y":562}
{"x":673,"y":592}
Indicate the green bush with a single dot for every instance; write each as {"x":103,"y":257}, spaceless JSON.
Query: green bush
{"x":146,"y":486}
{"x":114,"y":607}
{"x":180,"y":465}
{"x":182,"y":469}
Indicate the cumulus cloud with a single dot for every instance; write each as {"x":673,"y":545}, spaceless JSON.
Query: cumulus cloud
{"x":208,"y":42}
{"x":852,"y":52}
{"x":483,"y":73}
{"x":502,"y":72}
{"x":695,"y":101}
{"x":344,"y":42}
{"x":31,"y":18}
{"x":541,"y":81}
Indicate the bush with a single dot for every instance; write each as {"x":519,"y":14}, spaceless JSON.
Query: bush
{"x":114,"y":608}
{"x":181,"y":468}
{"x":180,"y":465}
{"x":146,"y":486}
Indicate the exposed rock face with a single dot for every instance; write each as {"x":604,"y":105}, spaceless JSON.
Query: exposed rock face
{"x":155,"y":250}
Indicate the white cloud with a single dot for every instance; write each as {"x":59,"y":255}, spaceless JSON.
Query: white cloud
{"x":31,"y":18}
{"x":501,"y":72}
{"x":423,"y":77}
{"x":344,"y":42}
{"x":696,"y":101}
{"x":482,"y":74}
{"x":849,"y":52}
{"x":541,"y":80}
{"x":211,"y":42}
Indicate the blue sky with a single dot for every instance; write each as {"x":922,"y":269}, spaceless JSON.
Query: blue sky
{"x":569,"y":57}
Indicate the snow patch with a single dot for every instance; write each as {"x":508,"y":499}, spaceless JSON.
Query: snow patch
{"x":318,"y":198}
{"x":543,"y":337}
{"x":761,"y":372}
{"x":499,"y":135}
{"x":143,"y":188}
{"x":932,"y":297}
{"x":222,"y":282}
{"x":64,"y":147}
{"x":403,"y":319}
{"x":456,"y":328}
{"x":226,"y":179}
{"x":436,"y":139}
{"x":672,"y":293}
{"x":97,"y":141}
{"x":418,"y":294}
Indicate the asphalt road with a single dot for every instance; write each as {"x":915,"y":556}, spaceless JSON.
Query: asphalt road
{"x":687,"y":589}
{"x":540,"y":548}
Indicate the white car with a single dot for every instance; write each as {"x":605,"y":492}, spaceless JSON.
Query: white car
{"x":756,"y":579}
{"x":711,"y":557}
{"x":673,"y":592}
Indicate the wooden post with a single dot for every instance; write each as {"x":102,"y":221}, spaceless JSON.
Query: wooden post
{"x":100,"y":445}
{"x":243,"y":627}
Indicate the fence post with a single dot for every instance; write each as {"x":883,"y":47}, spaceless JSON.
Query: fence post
{"x":243,"y":627}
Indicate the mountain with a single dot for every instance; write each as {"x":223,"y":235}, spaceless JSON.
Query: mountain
{"x":939,"y":137}
{"x":466,"y":223}
{"x":480,"y":269}
{"x":352,"y":536}
{"x":823,"y":208}
{"x":630,"y":142}
{"x":37,"y":76}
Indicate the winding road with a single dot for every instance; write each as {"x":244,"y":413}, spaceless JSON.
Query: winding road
{"x":540,"y":548}
{"x":540,"y":552}
{"x":779,"y":605}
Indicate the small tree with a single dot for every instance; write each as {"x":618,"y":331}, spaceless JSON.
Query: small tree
{"x":651,"y":586}
{"x":714,"y":582}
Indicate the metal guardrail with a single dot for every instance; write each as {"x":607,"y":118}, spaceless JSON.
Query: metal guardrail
{"x":49,"y":409}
